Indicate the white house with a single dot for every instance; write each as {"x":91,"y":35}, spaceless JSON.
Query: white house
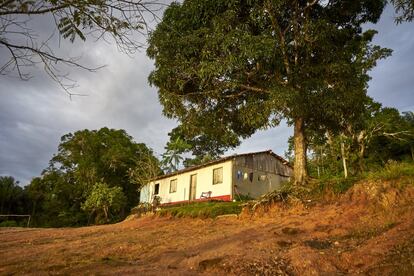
{"x":250,"y":174}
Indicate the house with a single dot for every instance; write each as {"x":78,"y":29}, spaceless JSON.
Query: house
{"x":249,"y":174}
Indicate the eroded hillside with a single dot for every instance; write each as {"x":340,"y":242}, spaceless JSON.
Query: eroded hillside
{"x":369,"y":230}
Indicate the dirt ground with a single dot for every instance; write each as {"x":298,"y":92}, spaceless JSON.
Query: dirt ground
{"x":365,"y":232}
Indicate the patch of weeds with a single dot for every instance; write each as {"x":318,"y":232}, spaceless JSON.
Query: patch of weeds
{"x":8,"y":223}
{"x":318,"y":244}
{"x":202,"y":209}
{"x":113,"y":261}
{"x":335,"y":184}
{"x":209,"y":263}
{"x":290,"y":231}
{"x":241,"y":197}
{"x":399,"y":261}
{"x":392,"y":170}
{"x":283,"y":243}
{"x":368,"y":233}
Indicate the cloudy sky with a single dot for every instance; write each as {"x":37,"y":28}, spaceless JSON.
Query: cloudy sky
{"x":34,"y":114}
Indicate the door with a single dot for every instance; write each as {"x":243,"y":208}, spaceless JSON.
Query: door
{"x":193,"y":186}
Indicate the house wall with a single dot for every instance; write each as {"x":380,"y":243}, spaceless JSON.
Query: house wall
{"x":258,"y":174}
{"x":204,"y":184}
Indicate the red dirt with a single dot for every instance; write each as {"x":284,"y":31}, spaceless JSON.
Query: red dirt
{"x":364,"y":232}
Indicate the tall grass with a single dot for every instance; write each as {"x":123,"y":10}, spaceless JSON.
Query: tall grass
{"x":392,"y":170}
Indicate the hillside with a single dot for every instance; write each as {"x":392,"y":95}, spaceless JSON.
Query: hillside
{"x":369,"y":229}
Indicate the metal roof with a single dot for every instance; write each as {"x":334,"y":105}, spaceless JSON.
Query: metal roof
{"x":220,"y":160}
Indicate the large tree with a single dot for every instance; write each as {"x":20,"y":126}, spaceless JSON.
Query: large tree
{"x":106,"y":155}
{"x":228,"y":68}
{"x":23,"y":45}
{"x":85,"y":158}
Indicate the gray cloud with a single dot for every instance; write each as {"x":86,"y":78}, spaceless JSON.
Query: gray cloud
{"x":35,"y":114}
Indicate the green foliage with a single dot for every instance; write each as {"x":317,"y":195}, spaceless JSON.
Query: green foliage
{"x":202,"y":209}
{"x":404,"y":10}
{"x":81,"y":18}
{"x":12,"y":196}
{"x":370,"y":141}
{"x":104,"y":202}
{"x":9,"y":223}
{"x":85,"y":158}
{"x":337,"y":185}
{"x":241,"y":197}
{"x":400,"y":171}
{"x":203,"y":147}
{"x":392,"y":170}
{"x":172,"y":158}
{"x":225,"y":69}
{"x":106,"y":155}
{"x":198,"y":160}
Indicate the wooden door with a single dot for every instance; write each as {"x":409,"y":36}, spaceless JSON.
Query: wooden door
{"x":193,"y":186}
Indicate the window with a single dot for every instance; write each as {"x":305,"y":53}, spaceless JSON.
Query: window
{"x":157,"y":189}
{"x":173,"y":186}
{"x":218,"y":176}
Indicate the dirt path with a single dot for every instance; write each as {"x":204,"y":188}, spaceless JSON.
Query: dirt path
{"x":329,"y":239}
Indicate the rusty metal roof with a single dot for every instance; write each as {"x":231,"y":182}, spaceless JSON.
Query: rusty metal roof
{"x":220,"y":160}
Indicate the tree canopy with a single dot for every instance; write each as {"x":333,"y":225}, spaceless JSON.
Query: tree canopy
{"x":225,"y":69}
{"x":404,"y":10}
{"x":67,"y":190}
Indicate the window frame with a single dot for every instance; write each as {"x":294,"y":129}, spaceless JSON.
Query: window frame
{"x":176,"y":184}
{"x":218,"y":169}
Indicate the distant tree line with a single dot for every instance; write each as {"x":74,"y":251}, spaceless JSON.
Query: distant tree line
{"x":93,"y":178}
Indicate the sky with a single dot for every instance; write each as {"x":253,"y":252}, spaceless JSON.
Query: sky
{"x":34,"y":114}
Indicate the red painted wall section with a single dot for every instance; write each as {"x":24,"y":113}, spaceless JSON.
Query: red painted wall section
{"x":222,"y":198}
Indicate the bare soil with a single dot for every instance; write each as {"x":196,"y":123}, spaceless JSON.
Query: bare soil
{"x":369,"y":230}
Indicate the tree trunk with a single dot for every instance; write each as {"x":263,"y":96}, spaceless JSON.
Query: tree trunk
{"x":361,"y":158}
{"x":300,"y":172}
{"x":34,"y":208}
{"x":361,"y":142}
{"x":412,"y":152}
{"x":105,"y":209}
{"x":344,"y":158}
